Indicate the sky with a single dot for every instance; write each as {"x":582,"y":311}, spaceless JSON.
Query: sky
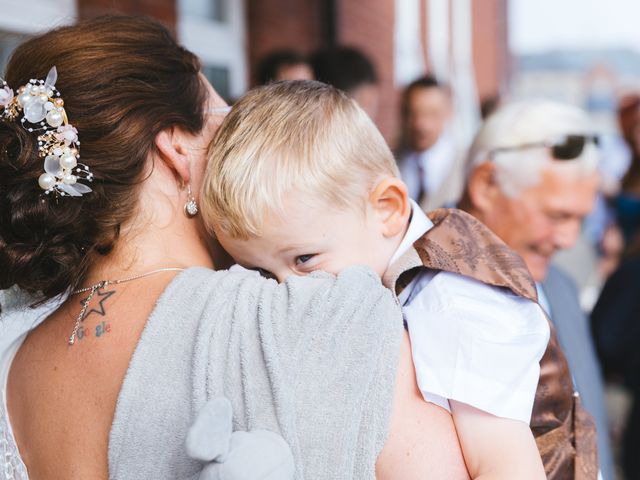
{"x":540,"y":25}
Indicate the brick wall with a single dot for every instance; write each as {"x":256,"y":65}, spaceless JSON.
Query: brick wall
{"x":163,"y":10}
{"x":276,"y":24}
{"x":301,"y":24}
{"x":369,"y":26}
{"x":490,"y":47}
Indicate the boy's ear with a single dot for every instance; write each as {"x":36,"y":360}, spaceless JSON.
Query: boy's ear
{"x":171,"y":144}
{"x":391,"y":205}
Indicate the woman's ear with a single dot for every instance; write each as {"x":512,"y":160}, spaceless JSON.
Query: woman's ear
{"x":482,"y":188}
{"x":172,"y":145}
{"x":391,"y":205}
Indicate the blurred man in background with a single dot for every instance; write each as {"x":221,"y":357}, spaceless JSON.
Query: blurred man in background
{"x":283,"y":65}
{"x":429,"y":162}
{"x":627,"y":201}
{"x":615,"y":317}
{"x":532,"y":178}
{"x":350,"y":70}
{"x":616,"y":332}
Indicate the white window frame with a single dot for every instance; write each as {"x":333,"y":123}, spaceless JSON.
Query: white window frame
{"x":408,"y":45}
{"x":220,"y":44}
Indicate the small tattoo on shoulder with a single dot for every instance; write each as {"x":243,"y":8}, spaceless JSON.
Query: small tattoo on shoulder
{"x":97,"y":305}
{"x":101,"y":297}
{"x":99,"y":331}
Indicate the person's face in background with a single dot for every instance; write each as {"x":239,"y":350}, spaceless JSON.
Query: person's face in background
{"x":368,"y":97}
{"x":294,"y":71}
{"x":427,"y":115}
{"x":629,"y":121}
{"x":542,"y":219}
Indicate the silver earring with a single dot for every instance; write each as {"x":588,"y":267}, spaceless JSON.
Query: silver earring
{"x":191,"y":207}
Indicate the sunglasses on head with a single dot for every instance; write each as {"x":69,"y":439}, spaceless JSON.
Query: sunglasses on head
{"x":567,"y":147}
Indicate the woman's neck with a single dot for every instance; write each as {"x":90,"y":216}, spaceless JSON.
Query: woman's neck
{"x":158,"y":234}
{"x":165,"y":240}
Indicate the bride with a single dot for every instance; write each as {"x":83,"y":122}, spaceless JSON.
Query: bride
{"x":123,"y":354}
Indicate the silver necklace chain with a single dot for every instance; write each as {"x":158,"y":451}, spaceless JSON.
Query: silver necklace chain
{"x":102,"y":284}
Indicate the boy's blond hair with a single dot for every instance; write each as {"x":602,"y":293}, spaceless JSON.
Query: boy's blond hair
{"x":297,"y":135}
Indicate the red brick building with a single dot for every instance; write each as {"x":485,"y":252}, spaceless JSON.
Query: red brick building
{"x":453,"y":38}
{"x":371,"y":26}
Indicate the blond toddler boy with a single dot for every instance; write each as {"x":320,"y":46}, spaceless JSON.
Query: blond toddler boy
{"x":299,"y":179}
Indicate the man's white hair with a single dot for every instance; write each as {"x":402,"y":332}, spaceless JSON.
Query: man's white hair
{"x":526,"y":122}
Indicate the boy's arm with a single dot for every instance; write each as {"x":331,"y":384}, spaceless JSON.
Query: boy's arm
{"x":494,"y":447}
{"x":422,"y":441}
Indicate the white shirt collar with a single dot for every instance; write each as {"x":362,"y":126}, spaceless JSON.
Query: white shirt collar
{"x":542,"y":299}
{"x":418,"y":226}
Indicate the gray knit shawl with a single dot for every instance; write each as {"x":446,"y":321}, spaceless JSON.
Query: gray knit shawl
{"x":313,"y":359}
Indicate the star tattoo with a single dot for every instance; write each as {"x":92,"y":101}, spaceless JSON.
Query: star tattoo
{"x":104,"y":296}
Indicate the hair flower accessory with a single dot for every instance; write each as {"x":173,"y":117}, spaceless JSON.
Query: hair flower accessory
{"x":6,"y":95}
{"x":43,"y":111}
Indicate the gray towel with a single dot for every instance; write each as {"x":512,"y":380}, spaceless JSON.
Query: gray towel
{"x":313,"y":360}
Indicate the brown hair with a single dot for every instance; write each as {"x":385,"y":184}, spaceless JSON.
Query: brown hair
{"x":123,"y":80}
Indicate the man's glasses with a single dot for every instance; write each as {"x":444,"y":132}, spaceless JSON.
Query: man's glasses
{"x":567,"y":147}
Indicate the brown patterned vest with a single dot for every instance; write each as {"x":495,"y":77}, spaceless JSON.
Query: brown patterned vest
{"x":565,"y":433}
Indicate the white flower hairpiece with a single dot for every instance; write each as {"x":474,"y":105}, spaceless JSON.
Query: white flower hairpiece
{"x":43,"y":111}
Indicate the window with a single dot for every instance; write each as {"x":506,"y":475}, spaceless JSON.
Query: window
{"x":207,"y":9}
{"x":8,"y":41}
{"x":215,"y":31}
{"x":21,"y":18}
{"x":219,"y":77}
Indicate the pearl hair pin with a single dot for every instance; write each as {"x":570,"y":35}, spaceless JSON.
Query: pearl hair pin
{"x":42,"y":110}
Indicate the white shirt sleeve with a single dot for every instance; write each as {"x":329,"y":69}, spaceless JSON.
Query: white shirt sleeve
{"x":475,"y":344}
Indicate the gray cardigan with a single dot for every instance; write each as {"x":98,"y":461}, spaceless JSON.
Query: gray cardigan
{"x":313,"y":359}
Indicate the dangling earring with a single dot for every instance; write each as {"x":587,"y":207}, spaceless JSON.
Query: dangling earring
{"x":191,"y":207}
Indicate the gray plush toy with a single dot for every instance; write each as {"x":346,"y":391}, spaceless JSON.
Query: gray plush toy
{"x":254,"y":455}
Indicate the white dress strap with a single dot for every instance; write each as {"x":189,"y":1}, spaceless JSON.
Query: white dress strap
{"x":12,"y":466}
{"x":16,"y":320}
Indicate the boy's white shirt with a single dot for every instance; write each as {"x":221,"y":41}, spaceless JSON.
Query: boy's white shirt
{"x":471,"y":342}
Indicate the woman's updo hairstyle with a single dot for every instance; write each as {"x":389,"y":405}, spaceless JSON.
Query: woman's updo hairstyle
{"x":123,"y":80}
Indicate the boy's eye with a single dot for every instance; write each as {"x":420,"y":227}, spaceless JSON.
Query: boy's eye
{"x":302,"y":259}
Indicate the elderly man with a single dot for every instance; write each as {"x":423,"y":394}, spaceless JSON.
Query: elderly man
{"x":531,"y":178}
